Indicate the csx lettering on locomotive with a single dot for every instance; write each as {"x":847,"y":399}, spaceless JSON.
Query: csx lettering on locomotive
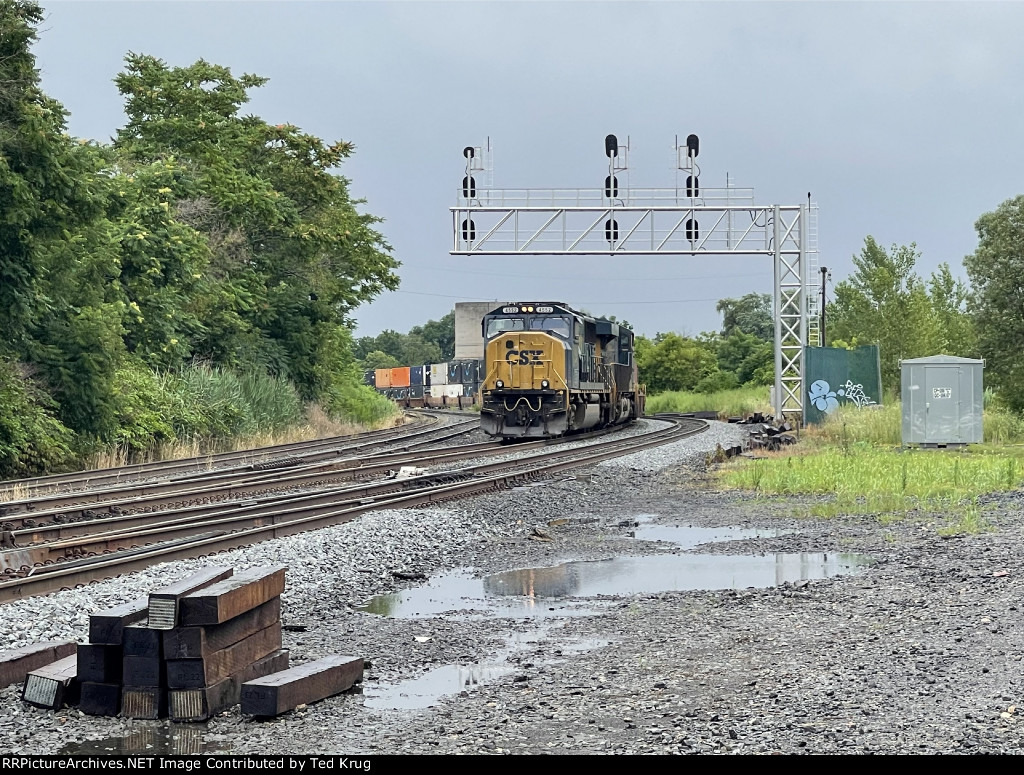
{"x":523,"y":356}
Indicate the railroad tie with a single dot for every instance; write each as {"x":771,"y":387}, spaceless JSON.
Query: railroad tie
{"x":280,"y":692}
{"x":17,"y":663}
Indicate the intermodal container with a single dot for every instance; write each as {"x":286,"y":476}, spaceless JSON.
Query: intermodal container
{"x":382,"y":378}
{"x":370,"y":377}
{"x":416,"y":391}
{"x":454,"y":372}
{"x":453,"y":391}
{"x":437,"y":391}
{"x":438,"y":374}
{"x":416,"y":375}
{"x":400,"y":377}
{"x":471,"y":372}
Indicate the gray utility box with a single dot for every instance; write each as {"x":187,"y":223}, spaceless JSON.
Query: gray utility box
{"x":942,"y":400}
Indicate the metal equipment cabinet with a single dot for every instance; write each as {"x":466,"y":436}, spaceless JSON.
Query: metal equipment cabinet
{"x":942,"y":398}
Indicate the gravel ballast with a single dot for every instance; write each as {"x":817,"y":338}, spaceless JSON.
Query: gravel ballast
{"x":920,"y":652}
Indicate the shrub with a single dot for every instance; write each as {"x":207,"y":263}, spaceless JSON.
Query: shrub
{"x":32,"y":440}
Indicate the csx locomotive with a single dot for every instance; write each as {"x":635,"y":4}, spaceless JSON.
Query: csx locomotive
{"x":551,"y":370}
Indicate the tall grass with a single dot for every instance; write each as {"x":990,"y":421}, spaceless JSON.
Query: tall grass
{"x":884,"y":425}
{"x":855,"y":457}
{"x":728,"y":403}
{"x":879,"y":424}
{"x":199,"y":410}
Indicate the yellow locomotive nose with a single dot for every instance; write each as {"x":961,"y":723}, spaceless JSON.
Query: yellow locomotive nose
{"x":522,"y":361}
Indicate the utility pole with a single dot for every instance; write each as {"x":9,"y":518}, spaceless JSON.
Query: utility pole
{"x":821,"y":337}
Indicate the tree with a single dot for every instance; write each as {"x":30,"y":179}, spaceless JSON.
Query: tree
{"x":60,"y":303}
{"x":954,"y":329}
{"x":750,"y":358}
{"x":673,"y":362}
{"x":292,"y":256}
{"x":996,"y":269}
{"x":380,"y":360}
{"x":440,"y":332}
{"x":884,"y":302}
{"x":751,"y":314}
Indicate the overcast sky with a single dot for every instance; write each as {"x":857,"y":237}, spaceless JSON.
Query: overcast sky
{"x":902,"y":119}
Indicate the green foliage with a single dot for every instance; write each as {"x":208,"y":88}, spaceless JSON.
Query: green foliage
{"x":855,"y":455}
{"x":673,"y":362}
{"x":41,"y":191}
{"x":866,"y":479}
{"x":32,"y":440}
{"x":199,"y":402}
{"x":146,"y":408}
{"x":729,"y":403}
{"x":380,"y":360}
{"x":433,"y":342}
{"x":716,"y":382}
{"x":201,"y":236}
{"x":750,"y":314}
{"x":995,"y":270}
{"x":886,"y":303}
{"x":880,"y":424}
{"x":360,"y":404}
{"x":750,"y":359}
{"x":289,"y":250}
{"x":439,"y":332}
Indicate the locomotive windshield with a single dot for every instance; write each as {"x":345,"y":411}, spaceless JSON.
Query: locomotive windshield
{"x":496,"y":326}
{"x":558,"y":326}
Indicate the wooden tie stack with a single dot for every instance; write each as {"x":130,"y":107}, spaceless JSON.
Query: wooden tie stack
{"x":187,"y":651}
{"x":226,"y":635}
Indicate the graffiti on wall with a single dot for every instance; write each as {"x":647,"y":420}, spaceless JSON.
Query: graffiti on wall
{"x":827,"y":400}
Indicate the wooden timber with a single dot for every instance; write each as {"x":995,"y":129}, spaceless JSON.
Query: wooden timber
{"x":100,"y":699}
{"x":198,"y":642}
{"x":18,"y":663}
{"x":197,"y":673}
{"x":280,"y":692}
{"x":232,"y":597}
{"x":108,"y":626}
{"x":145,"y":702}
{"x":99,"y":663}
{"x":140,"y":640}
{"x":164,"y":602}
{"x":54,"y":685}
{"x":143,"y":671}
{"x":201,"y":704}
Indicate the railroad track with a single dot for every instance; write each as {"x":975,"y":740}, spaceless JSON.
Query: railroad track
{"x":319,"y":459}
{"x":19,"y":493}
{"x":68,"y":556}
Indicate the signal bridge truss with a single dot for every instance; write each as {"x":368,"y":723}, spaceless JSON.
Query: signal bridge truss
{"x":650,"y":222}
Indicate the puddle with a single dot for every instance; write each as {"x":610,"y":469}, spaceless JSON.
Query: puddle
{"x":426,"y":690}
{"x":649,"y":574}
{"x":540,"y":593}
{"x":172,"y":740}
{"x":459,"y":595}
{"x":688,"y":537}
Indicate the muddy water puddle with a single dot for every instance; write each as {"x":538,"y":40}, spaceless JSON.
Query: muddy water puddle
{"x":452,"y":679}
{"x":546,"y":591}
{"x":582,"y":588}
{"x":156,"y":739}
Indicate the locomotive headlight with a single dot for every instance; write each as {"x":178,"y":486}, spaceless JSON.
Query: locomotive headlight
{"x":499,"y":384}
{"x":544,"y":384}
